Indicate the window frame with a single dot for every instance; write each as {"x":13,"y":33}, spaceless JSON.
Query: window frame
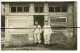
{"x":57,"y":21}
{"x":52,"y":7}
{"x":66,"y":8}
{"x":59,"y":9}
{"x":19,"y":11}
{"x":55,"y":8}
{"x":11,"y":8}
{"x":24,"y":7}
{"x":65,"y":18}
{"x":38,"y":11}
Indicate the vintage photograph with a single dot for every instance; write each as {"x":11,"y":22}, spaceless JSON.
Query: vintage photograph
{"x":38,"y":25}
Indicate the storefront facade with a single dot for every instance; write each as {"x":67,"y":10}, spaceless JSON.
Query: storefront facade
{"x":20,"y":18}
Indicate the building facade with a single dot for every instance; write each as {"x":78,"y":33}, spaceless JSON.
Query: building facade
{"x":20,"y":18}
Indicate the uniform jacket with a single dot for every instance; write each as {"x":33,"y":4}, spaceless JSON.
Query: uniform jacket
{"x":47,"y":29}
{"x":37,"y":29}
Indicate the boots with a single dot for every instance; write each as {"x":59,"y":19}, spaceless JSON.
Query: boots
{"x":35,"y":44}
{"x":45,"y":45}
{"x":39,"y":44}
{"x":48,"y":45}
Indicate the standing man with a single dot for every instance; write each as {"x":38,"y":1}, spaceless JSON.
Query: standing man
{"x":47,"y":32}
{"x":37,"y":32}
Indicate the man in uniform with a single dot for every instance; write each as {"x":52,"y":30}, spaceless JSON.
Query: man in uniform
{"x":47,"y":32}
{"x":37,"y":32}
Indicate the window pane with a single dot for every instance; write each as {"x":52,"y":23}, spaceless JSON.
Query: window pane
{"x":13,"y":9}
{"x":41,"y":9}
{"x":26,"y":9}
{"x":36,"y":9}
{"x":19,"y":9}
{"x":64,"y":9}
{"x":57,"y":9}
{"x":51,"y":9}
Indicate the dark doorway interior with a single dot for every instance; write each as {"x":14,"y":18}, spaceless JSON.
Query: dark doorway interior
{"x":40,"y":19}
{"x":2,"y":26}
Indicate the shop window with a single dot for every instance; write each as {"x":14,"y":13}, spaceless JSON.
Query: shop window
{"x":51,"y":9}
{"x":64,"y":9}
{"x":61,"y":21}
{"x":26,"y":9}
{"x":38,"y":9}
{"x":57,"y":9}
{"x":13,"y":9}
{"x":19,"y":9}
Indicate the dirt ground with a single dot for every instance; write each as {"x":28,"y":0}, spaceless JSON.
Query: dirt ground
{"x":42,"y":48}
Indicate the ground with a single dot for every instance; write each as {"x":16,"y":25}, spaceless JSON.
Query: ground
{"x":52,"y":47}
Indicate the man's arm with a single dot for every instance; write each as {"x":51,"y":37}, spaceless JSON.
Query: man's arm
{"x":33,"y":28}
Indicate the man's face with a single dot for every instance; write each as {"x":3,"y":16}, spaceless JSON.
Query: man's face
{"x":46,"y":23}
{"x":36,"y":23}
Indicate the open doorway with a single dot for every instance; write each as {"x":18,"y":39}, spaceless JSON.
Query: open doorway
{"x":40,"y":19}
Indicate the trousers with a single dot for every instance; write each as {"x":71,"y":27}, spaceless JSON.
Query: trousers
{"x":46,"y":38}
{"x":37,"y":38}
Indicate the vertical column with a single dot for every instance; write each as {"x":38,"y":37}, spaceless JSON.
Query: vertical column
{"x":6,"y":24}
{"x":46,"y":9}
{"x":70,"y":8}
{"x":70,"y":20}
{"x":31,"y":9}
{"x":7,"y":9}
{"x":2,"y":9}
{"x":75,"y":24}
{"x":75,"y":14}
{"x":31,"y":23}
{"x":6,"y":32}
{"x":70,"y":23}
{"x":70,"y":15}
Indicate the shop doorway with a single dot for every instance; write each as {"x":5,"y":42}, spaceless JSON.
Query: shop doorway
{"x":40,"y":20}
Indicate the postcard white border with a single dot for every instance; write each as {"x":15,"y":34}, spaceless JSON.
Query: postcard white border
{"x":54,"y":51}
